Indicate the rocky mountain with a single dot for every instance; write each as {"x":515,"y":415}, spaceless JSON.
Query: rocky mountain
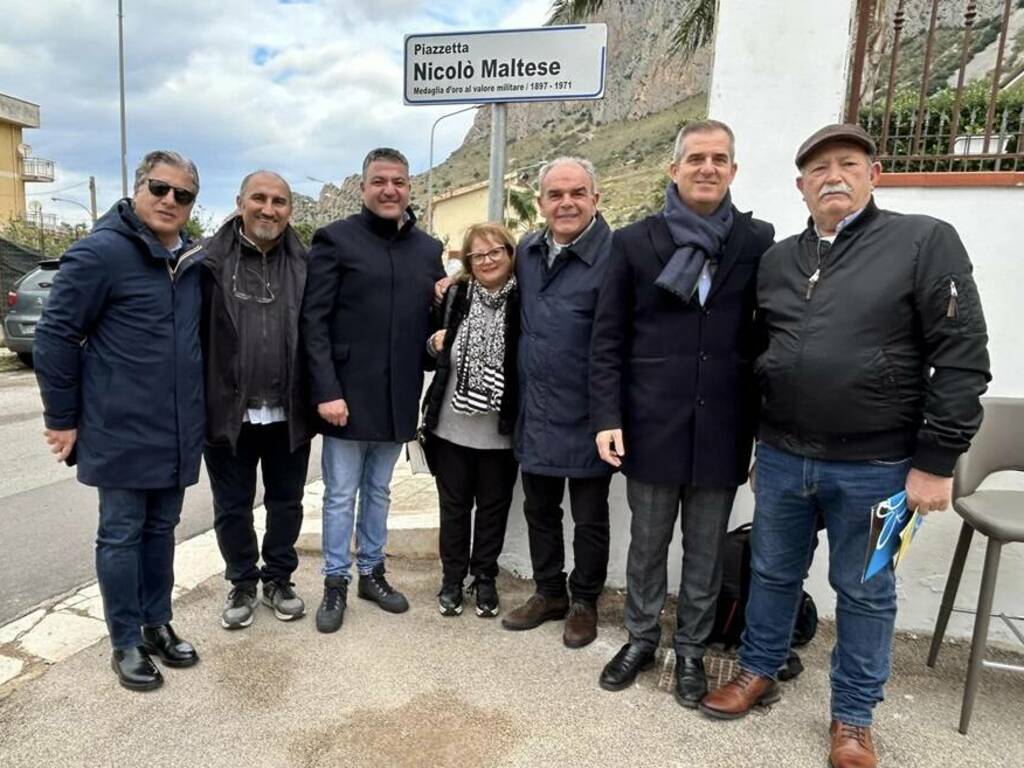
{"x":643,"y":76}
{"x":631,"y":127}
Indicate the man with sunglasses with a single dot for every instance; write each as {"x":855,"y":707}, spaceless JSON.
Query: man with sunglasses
{"x":257,"y":411}
{"x":120,"y":372}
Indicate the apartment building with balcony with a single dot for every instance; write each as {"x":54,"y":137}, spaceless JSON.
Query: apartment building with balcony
{"x":17,"y":165}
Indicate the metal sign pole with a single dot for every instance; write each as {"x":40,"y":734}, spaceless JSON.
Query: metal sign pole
{"x":496,"y":189}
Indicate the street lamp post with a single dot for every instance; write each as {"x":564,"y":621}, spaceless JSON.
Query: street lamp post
{"x":430,"y":168}
{"x":92,"y":214}
{"x":120,"y":68}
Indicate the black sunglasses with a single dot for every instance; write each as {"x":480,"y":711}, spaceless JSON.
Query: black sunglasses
{"x":159,"y":188}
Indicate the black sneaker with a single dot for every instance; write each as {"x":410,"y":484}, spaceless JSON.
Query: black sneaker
{"x":373,"y":586}
{"x":281,"y":598}
{"x":449,"y":600}
{"x":238,"y":610}
{"x":331,"y":612}
{"x":487,"y":605}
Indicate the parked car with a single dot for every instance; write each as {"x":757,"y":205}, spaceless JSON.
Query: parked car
{"x":25,"y":303}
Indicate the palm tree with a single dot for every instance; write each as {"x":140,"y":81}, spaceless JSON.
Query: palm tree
{"x":696,"y":25}
{"x":520,"y":201}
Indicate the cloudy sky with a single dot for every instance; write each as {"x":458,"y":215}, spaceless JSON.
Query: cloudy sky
{"x":304,"y":87}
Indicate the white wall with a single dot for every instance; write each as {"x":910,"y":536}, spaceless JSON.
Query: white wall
{"x":778,"y":77}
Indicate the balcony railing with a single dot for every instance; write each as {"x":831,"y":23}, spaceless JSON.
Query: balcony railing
{"x":36,"y":169}
{"x":943,"y":92}
{"x":45,"y":221}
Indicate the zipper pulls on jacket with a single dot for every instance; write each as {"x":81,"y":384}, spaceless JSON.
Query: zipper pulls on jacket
{"x":811,"y":282}
{"x":952,"y":309}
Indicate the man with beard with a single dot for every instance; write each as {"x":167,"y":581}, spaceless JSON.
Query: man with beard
{"x":256,"y":395}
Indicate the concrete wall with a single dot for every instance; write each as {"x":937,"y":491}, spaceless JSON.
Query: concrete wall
{"x":776,"y":78}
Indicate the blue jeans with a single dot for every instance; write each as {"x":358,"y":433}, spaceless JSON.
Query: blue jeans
{"x":135,"y":559}
{"x":350,"y":466}
{"x":791,"y":492}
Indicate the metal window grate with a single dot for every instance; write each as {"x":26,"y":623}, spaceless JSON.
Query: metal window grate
{"x":941,"y":90}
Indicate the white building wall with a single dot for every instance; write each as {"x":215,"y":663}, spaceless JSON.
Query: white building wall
{"x":777,"y":77}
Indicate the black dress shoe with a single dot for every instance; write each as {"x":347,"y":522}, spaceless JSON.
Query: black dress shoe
{"x":625,"y":665}
{"x":691,"y":681}
{"x":168,"y":647}
{"x":135,"y":670}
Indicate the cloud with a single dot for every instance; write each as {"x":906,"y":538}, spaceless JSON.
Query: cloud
{"x":305,"y":88}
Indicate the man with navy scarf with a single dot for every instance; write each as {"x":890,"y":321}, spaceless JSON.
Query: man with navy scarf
{"x":673,"y":401}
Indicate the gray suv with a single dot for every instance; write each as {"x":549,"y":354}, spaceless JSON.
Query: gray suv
{"x":25,"y":303}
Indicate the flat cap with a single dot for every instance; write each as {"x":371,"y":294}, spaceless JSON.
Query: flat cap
{"x":835,"y":132}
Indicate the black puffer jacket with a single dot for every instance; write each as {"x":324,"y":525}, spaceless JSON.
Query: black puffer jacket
{"x":457,"y":298}
{"x":886,"y":356}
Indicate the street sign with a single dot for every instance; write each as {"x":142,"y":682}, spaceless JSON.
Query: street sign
{"x":545,"y":64}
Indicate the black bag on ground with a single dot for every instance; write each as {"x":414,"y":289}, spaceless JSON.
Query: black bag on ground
{"x":730,"y":613}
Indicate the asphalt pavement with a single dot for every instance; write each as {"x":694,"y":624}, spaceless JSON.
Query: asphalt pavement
{"x":47,"y":519}
{"x":420,"y":689}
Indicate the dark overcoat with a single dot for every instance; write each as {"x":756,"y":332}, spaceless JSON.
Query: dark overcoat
{"x":677,"y":377}
{"x":366,"y":316}
{"x":553,"y":435}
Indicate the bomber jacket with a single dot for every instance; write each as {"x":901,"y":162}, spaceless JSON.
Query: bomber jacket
{"x":884,"y":356}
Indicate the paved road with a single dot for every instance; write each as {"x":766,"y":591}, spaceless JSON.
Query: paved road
{"x":48,"y":520}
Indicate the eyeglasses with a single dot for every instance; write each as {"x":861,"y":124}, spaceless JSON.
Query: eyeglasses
{"x":492,"y":255}
{"x":263,"y":278}
{"x":160,"y":189}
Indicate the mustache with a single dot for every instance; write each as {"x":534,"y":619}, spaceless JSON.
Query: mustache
{"x":829,"y":189}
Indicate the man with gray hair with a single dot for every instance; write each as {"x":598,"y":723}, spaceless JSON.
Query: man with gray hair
{"x":559,"y":270}
{"x":120,"y":372}
{"x":671,"y":377}
{"x":257,"y":408}
{"x":365,"y":322}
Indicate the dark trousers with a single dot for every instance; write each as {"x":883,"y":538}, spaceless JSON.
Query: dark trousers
{"x":468,"y":477}
{"x":233,"y":480}
{"x":588,"y":501}
{"x":135,"y":559}
{"x":704,"y":519}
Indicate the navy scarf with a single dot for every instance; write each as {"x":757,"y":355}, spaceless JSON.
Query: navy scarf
{"x":697,"y":238}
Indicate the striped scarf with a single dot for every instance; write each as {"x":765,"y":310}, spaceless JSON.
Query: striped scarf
{"x":480,"y":378}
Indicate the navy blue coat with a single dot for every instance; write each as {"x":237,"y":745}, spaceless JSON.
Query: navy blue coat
{"x":553,"y":435}
{"x":366,"y":316}
{"x":677,"y":378}
{"x":117,"y":356}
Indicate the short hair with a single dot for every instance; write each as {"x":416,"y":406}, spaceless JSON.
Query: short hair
{"x":386,"y":154}
{"x":582,"y":162}
{"x":488,"y":231}
{"x":278,"y":176}
{"x":703,"y":126}
{"x":165,"y":157}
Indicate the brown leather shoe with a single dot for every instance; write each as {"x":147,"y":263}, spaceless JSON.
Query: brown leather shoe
{"x":580,"y":625}
{"x":851,"y":746}
{"x":736,"y":698}
{"x":535,"y":611}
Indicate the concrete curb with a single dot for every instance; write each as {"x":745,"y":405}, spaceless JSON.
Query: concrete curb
{"x":62,"y":626}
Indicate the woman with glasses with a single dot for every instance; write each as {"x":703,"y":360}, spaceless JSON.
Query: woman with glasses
{"x":469,"y":412}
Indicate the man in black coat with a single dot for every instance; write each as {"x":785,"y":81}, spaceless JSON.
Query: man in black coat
{"x":670,"y":377}
{"x":257,"y":405}
{"x":365,"y":321}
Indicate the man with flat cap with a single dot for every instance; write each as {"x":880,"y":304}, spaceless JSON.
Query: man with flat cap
{"x":871,"y":379}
